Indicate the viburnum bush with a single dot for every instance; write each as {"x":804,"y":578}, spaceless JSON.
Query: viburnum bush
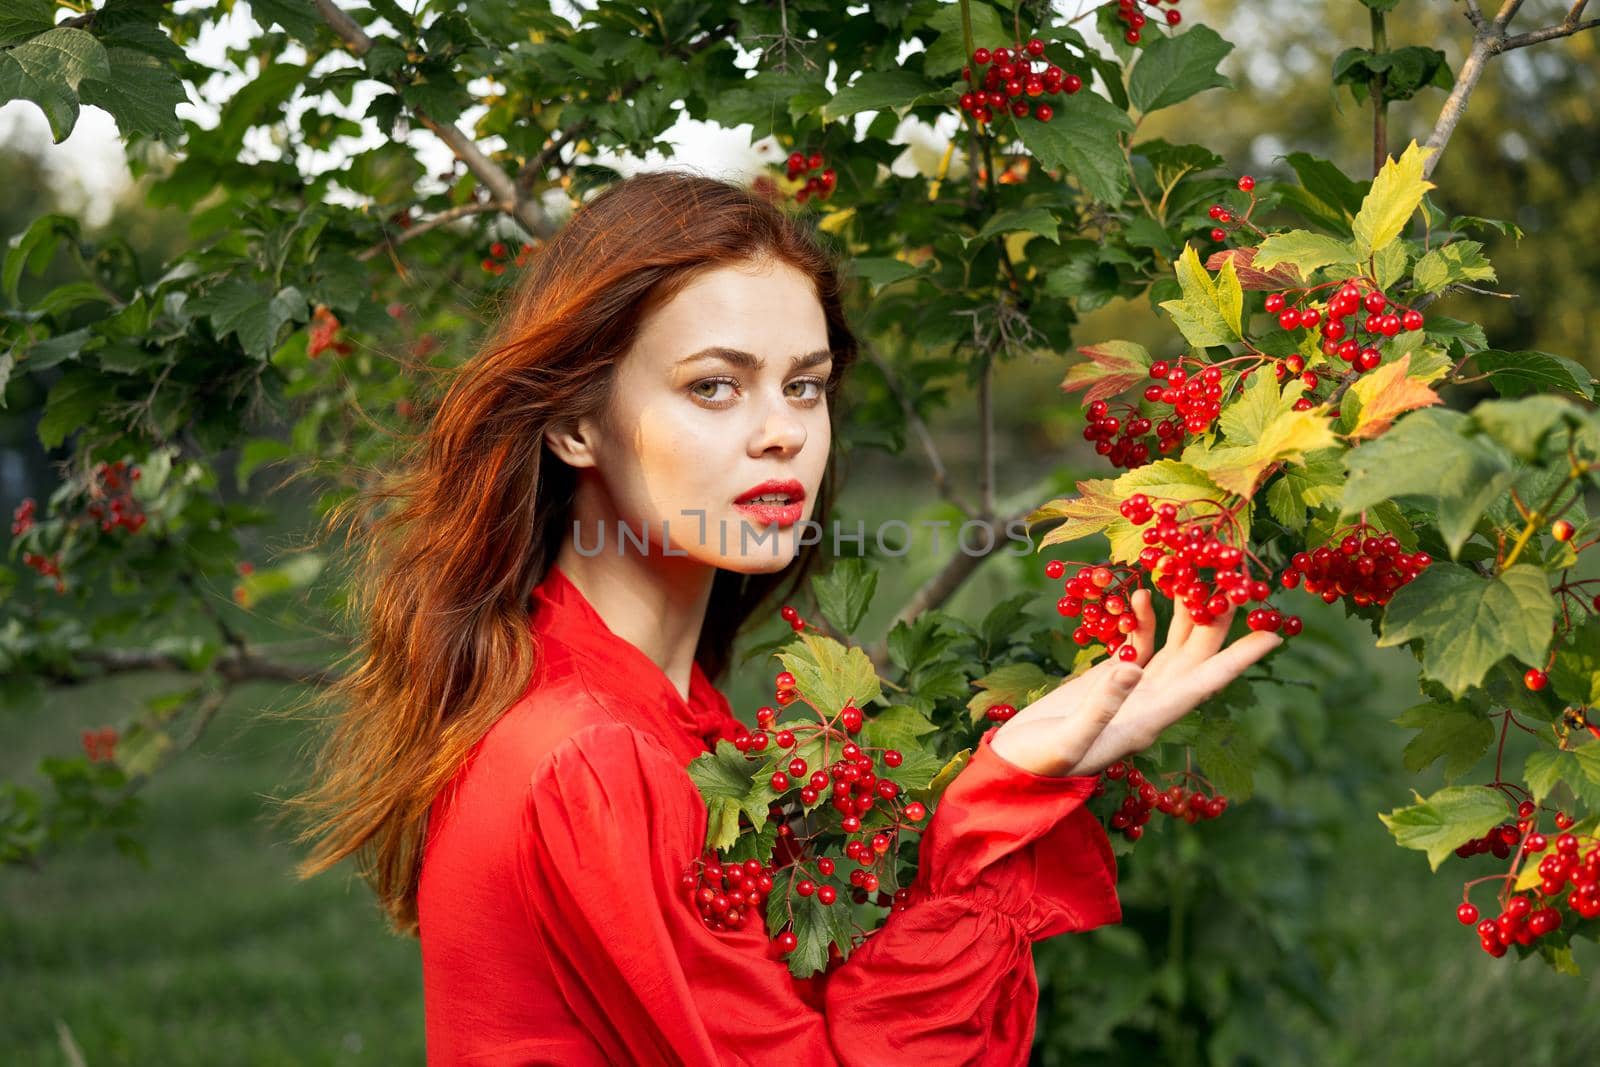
{"x":1324,"y":421}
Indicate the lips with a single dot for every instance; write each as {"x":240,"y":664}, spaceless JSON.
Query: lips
{"x":789,"y":490}
{"x":773,"y":502}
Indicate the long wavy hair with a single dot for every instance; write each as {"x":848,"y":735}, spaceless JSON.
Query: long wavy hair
{"x":455,"y":537}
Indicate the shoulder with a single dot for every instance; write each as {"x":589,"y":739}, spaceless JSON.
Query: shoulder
{"x":611,"y":753}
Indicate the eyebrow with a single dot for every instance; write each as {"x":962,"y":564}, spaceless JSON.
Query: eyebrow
{"x":750,"y":362}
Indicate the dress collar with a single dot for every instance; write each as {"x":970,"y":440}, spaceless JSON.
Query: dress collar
{"x":561,"y":611}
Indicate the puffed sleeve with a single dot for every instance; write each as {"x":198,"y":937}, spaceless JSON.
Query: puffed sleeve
{"x":613,"y":821}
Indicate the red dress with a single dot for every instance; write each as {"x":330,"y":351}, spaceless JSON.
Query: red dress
{"x":554,"y":929}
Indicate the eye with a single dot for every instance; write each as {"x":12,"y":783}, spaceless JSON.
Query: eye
{"x":713,"y":383}
{"x":818,"y":384}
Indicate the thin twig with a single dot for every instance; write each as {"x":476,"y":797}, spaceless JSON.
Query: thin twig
{"x":417,"y":229}
{"x":941,"y":476}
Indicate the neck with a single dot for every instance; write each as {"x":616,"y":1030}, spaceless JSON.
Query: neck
{"x":657,"y":603}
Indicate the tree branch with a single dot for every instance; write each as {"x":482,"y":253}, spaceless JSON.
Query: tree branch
{"x":1488,"y":41}
{"x":417,"y":229}
{"x":234,"y":664}
{"x":943,"y":585}
{"x":502,"y":190}
{"x":941,"y":476}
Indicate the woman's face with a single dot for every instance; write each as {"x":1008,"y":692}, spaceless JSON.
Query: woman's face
{"x":723,"y":391}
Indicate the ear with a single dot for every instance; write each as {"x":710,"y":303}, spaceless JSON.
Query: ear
{"x":573,"y":442}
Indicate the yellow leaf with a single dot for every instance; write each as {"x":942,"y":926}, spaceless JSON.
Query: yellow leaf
{"x":1387,"y":393}
{"x":1395,"y":195}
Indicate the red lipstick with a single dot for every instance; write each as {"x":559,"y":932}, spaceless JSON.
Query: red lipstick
{"x":785,"y":512}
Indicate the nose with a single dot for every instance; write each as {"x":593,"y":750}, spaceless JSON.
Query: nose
{"x":781,"y":431}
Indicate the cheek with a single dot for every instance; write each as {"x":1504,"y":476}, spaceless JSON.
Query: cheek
{"x":679,"y":461}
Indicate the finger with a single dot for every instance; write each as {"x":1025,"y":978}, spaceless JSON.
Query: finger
{"x":1182,"y":624}
{"x":1074,"y":734}
{"x":1143,"y":639}
{"x":1204,"y":640}
{"x":1228,"y":664}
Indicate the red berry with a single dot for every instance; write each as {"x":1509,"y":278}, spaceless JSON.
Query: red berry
{"x":1467,"y":913}
{"x":780,"y":782}
{"x":787,"y":941}
{"x":1534,"y":679}
{"x":1562,"y":530}
{"x":981,"y":56}
{"x":1246,"y":183}
{"x":915,"y":811}
{"x":827,"y":894}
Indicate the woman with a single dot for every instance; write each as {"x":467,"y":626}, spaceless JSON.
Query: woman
{"x":510,"y":767}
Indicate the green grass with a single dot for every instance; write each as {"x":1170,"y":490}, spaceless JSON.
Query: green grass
{"x":217,"y":953}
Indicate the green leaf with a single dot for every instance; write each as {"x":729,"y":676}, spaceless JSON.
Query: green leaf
{"x":1174,"y":68}
{"x":898,"y":726}
{"x":298,"y":17}
{"x":1299,"y":488}
{"x":724,"y":778}
{"x":1228,"y":755}
{"x":21,"y":19}
{"x":1456,"y":732}
{"x":1038,"y":220}
{"x":830,"y":675}
{"x":1396,"y":193}
{"x":1515,"y":374}
{"x":1428,"y":455}
{"x":239,"y":307}
{"x":1575,"y":676}
{"x":845,"y":593}
{"x":1467,"y":623}
{"x":1209,"y":311}
{"x":47,"y":69}
{"x":1523,"y":425}
{"x":1009,"y":684}
{"x":1305,"y":250}
{"x":948,"y":52}
{"x":1328,"y":193}
{"x":936,"y":786}
{"x":879,"y":271}
{"x":72,"y":403}
{"x":1389,"y":263}
{"x":1459,"y":261}
{"x":1578,"y":770}
{"x":142,"y":93}
{"x":881,"y":90}
{"x":1446,"y":820}
{"x":1083,"y":140}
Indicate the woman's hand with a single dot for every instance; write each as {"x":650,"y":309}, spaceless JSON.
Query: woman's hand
{"x":1117,"y":708}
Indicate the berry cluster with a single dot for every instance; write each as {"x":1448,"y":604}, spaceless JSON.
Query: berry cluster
{"x":47,"y":566}
{"x":1178,"y":554}
{"x":819,"y":185}
{"x":100,"y":745}
{"x":792,"y":617}
{"x":1196,"y":402}
{"x":324,"y":334}
{"x":1520,"y":921}
{"x":495,"y":262}
{"x":854,"y":782}
{"x":22,"y":517}
{"x":1225,"y":219}
{"x":1128,"y":12}
{"x":1140,"y":797}
{"x":111,"y":492}
{"x":1356,"y":342}
{"x":1011,"y":76}
{"x":727,"y":894}
{"x":241,"y":592}
{"x":1100,"y":596}
{"x":1000,"y":713}
{"x":1366,"y":567}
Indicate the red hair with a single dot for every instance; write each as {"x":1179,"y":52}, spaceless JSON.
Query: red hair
{"x":479,"y":506}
